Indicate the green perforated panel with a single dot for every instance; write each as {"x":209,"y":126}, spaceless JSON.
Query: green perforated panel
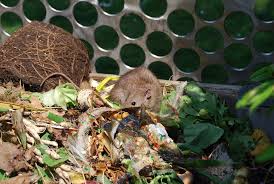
{"x":216,"y":41}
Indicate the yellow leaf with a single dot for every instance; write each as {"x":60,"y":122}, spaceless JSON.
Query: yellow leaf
{"x":262,"y":140}
{"x":76,"y":178}
{"x":105,"y":81}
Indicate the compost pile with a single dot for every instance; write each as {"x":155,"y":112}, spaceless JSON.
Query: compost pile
{"x":66,"y":135}
{"x":38,"y":50}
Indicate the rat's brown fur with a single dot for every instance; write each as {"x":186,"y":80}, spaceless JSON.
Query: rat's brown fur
{"x":140,"y":86}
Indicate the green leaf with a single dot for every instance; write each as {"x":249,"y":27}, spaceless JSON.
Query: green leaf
{"x":265,"y":73}
{"x":195,"y":92}
{"x":43,"y":173}
{"x":261,"y":97}
{"x":189,"y":120}
{"x":266,"y":156}
{"x":222,"y":109}
{"x":164,"y":106}
{"x":3,"y":109}
{"x":170,"y":123}
{"x":3,"y":176}
{"x":190,"y":111}
{"x":114,"y":105}
{"x":46,"y":136}
{"x":165,"y":175}
{"x":185,"y":100}
{"x":51,"y":162}
{"x":201,"y":135}
{"x":214,"y":179}
{"x":55,"y":118}
{"x":129,"y":165}
{"x":256,"y":96}
{"x":211,"y":104}
{"x":238,"y":140}
{"x":42,"y":148}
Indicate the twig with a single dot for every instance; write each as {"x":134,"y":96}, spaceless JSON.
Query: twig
{"x":42,"y":124}
{"x":61,"y":74}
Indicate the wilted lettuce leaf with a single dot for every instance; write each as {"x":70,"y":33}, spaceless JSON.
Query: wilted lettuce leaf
{"x":62,"y":96}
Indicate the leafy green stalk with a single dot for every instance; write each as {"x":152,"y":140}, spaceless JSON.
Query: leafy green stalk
{"x":55,"y":118}
{"x":63,"y":96}
{"x":257,"y":96}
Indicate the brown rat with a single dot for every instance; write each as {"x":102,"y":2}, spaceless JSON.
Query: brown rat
{"x":138,"y":87}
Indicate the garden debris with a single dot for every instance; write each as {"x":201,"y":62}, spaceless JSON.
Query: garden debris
{"x":223,"y":172}
{"x":22,"y":179}
{"x":71,"y":135}
{"x":19,"y":127}
{"x":241,"y":176}
{"x":40,"y":52}
{"x":11,"y":157}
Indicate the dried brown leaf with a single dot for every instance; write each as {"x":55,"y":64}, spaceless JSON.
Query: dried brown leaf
{"x":11,"y":157}
{"x":22,"y":179}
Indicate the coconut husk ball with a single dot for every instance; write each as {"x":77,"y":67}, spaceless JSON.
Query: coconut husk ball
{"x":43,"y":53}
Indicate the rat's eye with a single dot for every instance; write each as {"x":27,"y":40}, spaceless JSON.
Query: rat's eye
{"x":149,"y":97}
{"x":133,"y":103}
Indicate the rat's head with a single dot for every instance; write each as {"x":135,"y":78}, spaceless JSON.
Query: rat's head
{"x":141,"y":96}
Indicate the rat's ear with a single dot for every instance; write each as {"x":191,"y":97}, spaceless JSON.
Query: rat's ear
{"x":148,"y":94}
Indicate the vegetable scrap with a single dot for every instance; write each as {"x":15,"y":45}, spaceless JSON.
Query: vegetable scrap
{"x":69,"y":135}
